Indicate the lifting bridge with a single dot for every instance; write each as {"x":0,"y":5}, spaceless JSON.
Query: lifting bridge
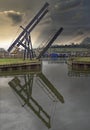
{"x":24,"y":39}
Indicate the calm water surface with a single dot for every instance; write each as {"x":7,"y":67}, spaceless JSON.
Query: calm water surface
{"x":71,"y":112}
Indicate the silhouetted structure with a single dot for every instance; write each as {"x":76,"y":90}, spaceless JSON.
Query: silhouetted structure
{"x":24,"y":38}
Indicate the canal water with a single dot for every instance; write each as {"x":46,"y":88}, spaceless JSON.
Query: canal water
{"x":56,"y":98}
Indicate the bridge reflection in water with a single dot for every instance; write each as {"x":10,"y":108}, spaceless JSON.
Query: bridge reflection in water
{"x":24,"y":89}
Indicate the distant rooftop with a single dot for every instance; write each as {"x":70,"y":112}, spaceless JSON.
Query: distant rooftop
{"x":2,"y":50}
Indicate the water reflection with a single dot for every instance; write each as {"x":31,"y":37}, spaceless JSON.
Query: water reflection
{"x":25,"y":87}
{"x":55,"y":60}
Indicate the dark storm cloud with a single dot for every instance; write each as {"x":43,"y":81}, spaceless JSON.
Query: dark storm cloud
{"x":80,"y":32}
{"x":15,"y":16}
{"x":61,"y":15}
{"x":68,"y":4}
{"x":20,"y":4}
{"x":72,"y":15}
{"x":64,"y":14}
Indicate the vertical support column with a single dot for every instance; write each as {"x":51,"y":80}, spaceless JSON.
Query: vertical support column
{"x":28,"y":53}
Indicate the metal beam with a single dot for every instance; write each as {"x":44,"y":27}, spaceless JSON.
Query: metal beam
{"x":32,"y":27}
{"x":43,"y":9}
{"x":50,"y":42}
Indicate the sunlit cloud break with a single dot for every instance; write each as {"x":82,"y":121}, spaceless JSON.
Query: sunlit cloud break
{"x":15,"y":16}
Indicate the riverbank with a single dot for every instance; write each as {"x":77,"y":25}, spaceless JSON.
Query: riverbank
{"x":79,"y":62}
{"x":15,"y":65}
{"x":4,"y":61}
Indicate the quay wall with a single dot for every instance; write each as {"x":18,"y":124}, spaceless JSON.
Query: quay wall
{"x":20,"y":66}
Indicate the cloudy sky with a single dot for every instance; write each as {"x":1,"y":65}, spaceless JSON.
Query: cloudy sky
{"x":72,"y":15}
